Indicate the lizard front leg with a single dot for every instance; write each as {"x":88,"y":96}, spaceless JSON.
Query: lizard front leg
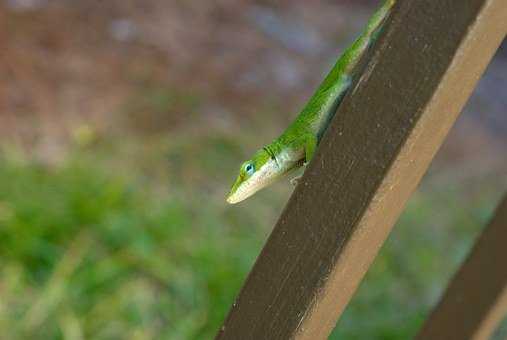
{"x":310,"y":147}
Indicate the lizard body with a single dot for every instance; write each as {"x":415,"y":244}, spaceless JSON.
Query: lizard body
{"x":297,"y":144}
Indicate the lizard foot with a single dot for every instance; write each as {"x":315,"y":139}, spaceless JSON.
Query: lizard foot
{"x":295,"y":180}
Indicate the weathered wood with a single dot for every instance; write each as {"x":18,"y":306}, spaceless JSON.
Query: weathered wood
{"x":416,"y":80}
{"x":476,"y":299}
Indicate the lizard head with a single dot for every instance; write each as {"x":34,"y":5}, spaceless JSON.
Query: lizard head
{"x":254,"y":175}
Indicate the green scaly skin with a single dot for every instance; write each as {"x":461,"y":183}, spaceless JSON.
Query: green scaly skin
{"x":296,"y":146}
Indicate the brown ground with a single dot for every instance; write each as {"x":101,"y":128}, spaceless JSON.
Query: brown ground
{"x":67,"y":64}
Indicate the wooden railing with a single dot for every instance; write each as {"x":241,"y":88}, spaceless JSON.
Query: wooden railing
{"x":476,"y":300}
{"x":416,"y":80}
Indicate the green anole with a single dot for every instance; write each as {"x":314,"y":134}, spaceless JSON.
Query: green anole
{"x":296,"y":145}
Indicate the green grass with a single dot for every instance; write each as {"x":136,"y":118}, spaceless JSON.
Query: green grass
{"x":98,"y":247}
{"x":88,"y":252}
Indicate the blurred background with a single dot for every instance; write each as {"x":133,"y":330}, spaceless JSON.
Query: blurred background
{"x":122,"y":125}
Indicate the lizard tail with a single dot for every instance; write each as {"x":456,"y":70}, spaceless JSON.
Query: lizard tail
{"x":379,"y":17}
{"x":356,"y":50}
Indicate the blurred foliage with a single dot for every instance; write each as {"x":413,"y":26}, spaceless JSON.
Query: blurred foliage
{"x":92,"y":249}
{"x":86,"y":252}
{"x":501,"y":332}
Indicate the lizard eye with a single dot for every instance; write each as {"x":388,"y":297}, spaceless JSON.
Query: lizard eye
{"x":249,"y":169}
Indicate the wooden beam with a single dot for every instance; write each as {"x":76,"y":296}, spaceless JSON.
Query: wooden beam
{"x":476,"y":299}
{"x":416,"y":80}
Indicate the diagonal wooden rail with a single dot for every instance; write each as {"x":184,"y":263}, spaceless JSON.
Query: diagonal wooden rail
{"x":415,"y":82}
{"x":476,"y":299}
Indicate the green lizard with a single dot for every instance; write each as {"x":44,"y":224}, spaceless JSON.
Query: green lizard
{"x":297,"y":144}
